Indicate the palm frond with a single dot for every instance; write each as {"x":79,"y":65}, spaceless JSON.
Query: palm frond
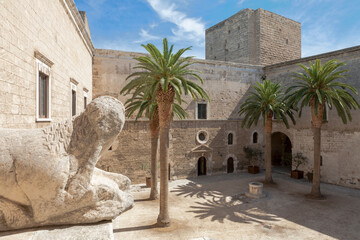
{"x":268,"y":98}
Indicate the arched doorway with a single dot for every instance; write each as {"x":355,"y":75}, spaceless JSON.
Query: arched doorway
{"x":281,"y":153}
{"x":230,"y":165}
{"x":202,"y":166}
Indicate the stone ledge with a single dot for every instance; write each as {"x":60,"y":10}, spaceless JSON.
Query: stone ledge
{"x":97,"y":231}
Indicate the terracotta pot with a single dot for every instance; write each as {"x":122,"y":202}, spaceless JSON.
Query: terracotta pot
{"x":148,"y":182}
{"x":253,"y":169}
{"x":297,"y":174}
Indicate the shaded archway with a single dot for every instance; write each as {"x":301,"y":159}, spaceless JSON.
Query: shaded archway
{"x":281,"y":153}
{"x":230,"y":165}
{"x":202,"y":166}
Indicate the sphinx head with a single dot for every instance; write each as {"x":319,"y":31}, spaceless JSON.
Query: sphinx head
{"x":100,"y":123}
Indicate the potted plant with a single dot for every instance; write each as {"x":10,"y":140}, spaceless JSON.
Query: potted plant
{"x":298,"y":159}
{"x":253,"y":155}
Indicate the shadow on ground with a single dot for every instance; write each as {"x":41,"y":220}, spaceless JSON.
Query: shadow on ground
{"x":137,"y":228}
{"x":221,"y":198}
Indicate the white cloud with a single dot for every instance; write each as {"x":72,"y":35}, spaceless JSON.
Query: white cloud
{"x":145,"y":36}
{"x":240,"y":2}
{"x":153,"y":25}
{"x":188,"y":29}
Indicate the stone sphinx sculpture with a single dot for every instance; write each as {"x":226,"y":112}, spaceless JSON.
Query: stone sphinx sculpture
{"x":48,"y":176}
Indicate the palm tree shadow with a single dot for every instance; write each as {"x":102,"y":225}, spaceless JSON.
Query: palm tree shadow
{"x":193,"y":189}
{"x":233,"y":209}
{"x":219,"y":205}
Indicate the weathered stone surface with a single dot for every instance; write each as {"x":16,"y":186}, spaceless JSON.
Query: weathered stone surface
{"x":98,"y":231}
{"x":48,"y":176}
{"x":254,"y":37}
{"x":27,"y":27}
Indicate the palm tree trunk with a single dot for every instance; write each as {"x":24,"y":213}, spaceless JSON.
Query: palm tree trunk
{"x":154,"y":132}
{"x":163,"y":218}
{"x":317,"y":120}
{"x":315,"y":190}
{"x":268,"y":130}
{"x":165,"y":101}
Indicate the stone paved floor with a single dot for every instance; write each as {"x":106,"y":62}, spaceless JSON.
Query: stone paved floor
{"x":214,"y":207}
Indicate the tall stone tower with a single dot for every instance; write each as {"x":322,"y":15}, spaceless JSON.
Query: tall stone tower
{"x":255,"y":37}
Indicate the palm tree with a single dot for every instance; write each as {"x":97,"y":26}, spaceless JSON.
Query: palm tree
{"x":316,"y":87}
{"x":266,"y":101}
{"x":140,"y":103}
{"x":165,"y":76}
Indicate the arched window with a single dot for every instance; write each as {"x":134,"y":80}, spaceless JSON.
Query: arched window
{"x":255,"y":137}
{"x":230,"y":139}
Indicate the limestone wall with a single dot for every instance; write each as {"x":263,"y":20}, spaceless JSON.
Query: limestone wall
{"x":280,"y":38}
{"x":255,"y":37}
{"x":130,"y":154}
{"x":340,"y":151}
{"x":226,"y":83}
{"x":55,"y":30}
{"x":233,"y":39}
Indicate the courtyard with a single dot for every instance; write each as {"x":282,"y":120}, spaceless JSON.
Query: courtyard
{"x":214,"y":207}
{"x":94,"y":99}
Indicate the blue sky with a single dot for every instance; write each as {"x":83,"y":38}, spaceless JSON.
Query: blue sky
{"x":327,"y":25}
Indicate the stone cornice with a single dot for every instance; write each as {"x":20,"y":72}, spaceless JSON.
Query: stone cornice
{"x":75,"y":17}
{"x":42,"y":58}
{"x":333,"y":54}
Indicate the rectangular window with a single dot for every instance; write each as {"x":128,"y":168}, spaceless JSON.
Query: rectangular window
{"x":73,"y":102}
{"x":85,"y":96}
{"x":85,"y":102}
{"x":43,"y":89}
{"x":201,"y":111}
{"x":43,"y":96}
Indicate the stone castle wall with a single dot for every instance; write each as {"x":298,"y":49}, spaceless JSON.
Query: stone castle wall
{"x":130,"y":153}
{"x":233,"y":39}
{"x":53,"y":29}
{"x":255,"y":37}
{"x":339,"y":146}
{"x":226,"y":84}
{"x":280,"y":38}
